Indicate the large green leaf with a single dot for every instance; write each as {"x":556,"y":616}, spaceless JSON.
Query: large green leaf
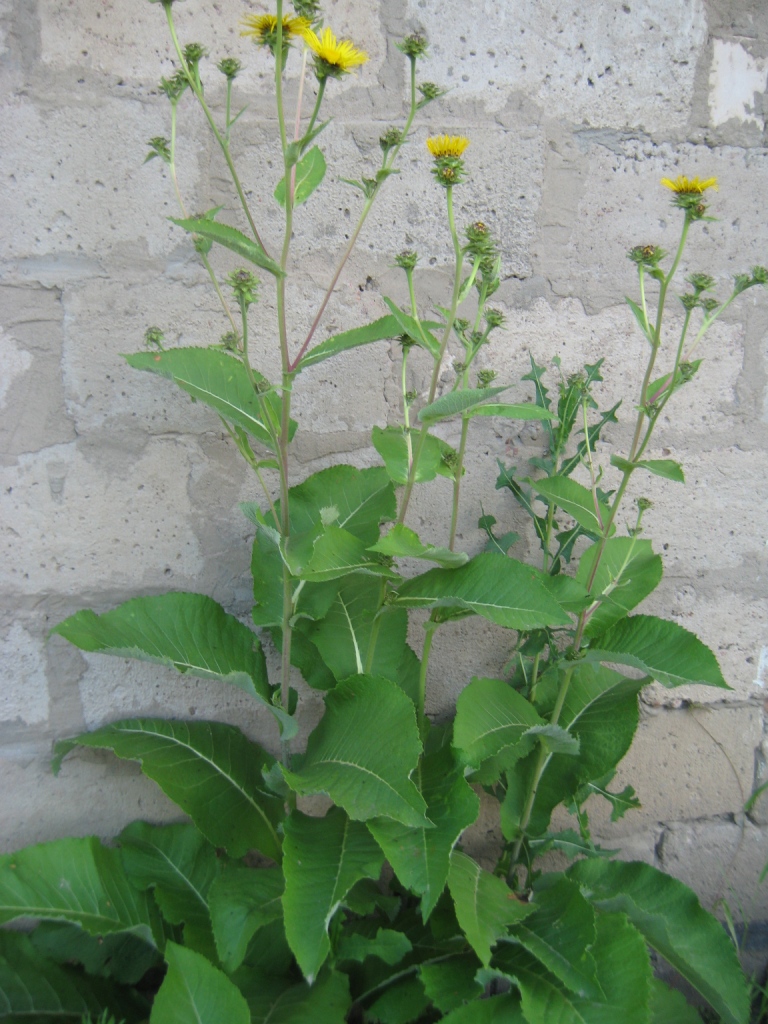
{"x":337,"y":553}
{"x":402,"y":1003}
{"x":455,"y":402}
{"x":179,"y":864}
{"x":402,"y":542}
{"x":503,"y":1009}
{"x":310,"y":171}
{"x":380,"y":330}
{"x":75,"y":880}
{"x":667,"y":468}
{"x":365,"y":771}
{"x":243,"y":900}
{"x":195,"y":992}
{"x":627,"y":573}
{"x":662,"y":649}
{"x":485,"y":905}
{"x":526,"y":411}
{"x":574,"y":499}
{"x":222,"y":382}
{"x":672,"y":920}
{"x":501,"y":589}
{"x":387,"y":944}
{"x":120,"y":955}
{"x":668,"y":1006}
{"x":230,"y":238}
{"x":324,"y":857}
{"x":560,"y":933}
{"x":623,"y":978}
{"x":420,"y":857}
{"x":274,"y":1000}
{"x":211,"y":770}
{"x":600,"y":710}
{"x":450,"y":983}
{"x":36,"y":990}
{"x":190,"y":632}
{"x":267,"y":572}
{"x":392,"y":445}
{"x":355,"y":500}
{"x":492,"y":717}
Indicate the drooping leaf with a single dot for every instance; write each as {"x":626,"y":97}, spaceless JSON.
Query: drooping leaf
{"x":662,"y":649}
{"x":642,"y":322}
{"x":455,"y":402}
{"x":667,"y":468}
{"x":574,"y":499}
{"x":338,"y":553}
{"x":178,"y":864}
{"x":211,"y":770}
{"x":500,"y":589}
{"x":221,"y":381}
{"x":190,"y":632}
{"x":230,"y":238}
{"x":36,"y":990}
{"x":491,"y":717}
{"x":671,"y":919}
{"x":281,"y":1001}
{"x":121,"y":955}
{"x":368,"y":774}
{"x":75,"y":880}
{"x":324,"y":857}
{"x":627,"y":573}
{"x":623,"y":979}
{"x":387,"y":944}
{"x":560,"y":934}
{"x":195,"y":990}
{"x":380,"y":330}
{"x":392,"y":444}
{"x":310,"y":171}
{"x":402,"y":542}
{"x":525,"y":411}
{"x":485,"y":905}
{"x":419,"y":331}
{"x":420,"y":857}
{"x":243,"y":900}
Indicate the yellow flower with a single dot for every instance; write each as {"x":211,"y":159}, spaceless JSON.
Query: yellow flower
{"x":263,"y":28}
{"x":689,"y":186}
{"x":335,"y":57}
{"x":447,"y":145}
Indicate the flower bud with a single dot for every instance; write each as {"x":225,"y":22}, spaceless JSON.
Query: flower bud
{"x":230,"y":67}
{"x":407,"y":259}
{"x":413,"y":46}
{"x":154,"y":337}
{"x":245,"y":286}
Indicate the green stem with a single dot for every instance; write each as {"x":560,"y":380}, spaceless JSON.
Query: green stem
{"x":457,"y":481}
{"x":430,"y":628}
{"x":373,"y":639}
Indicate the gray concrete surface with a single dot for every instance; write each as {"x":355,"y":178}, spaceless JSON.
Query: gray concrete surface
{"x":113,"y":484}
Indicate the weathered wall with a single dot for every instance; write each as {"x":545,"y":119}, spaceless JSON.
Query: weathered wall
{"x":114,"y":485}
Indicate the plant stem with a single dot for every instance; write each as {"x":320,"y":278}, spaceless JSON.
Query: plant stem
{"x":430,"y":627}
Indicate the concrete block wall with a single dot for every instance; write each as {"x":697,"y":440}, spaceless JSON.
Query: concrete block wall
{"x":114,"y":485}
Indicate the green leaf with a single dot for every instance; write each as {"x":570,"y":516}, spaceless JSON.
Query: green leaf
{"x":502,"y":590}
{"x":402,"y":542}
{"x":392,"y":445}
{"x":243,"y":900}
{"x":419,"y":332}
{"x":673,"y":922}
{"x":575,"y":500}
{"x":362,"y":498}
{"x":560,"y":934}
{"x":554,"y":739}
{"x":402,"y":1003}
{"x":503,"y":1009}
{"x":627,"y":573}
{"x":387,"y":944}
{"x":310,"y":171}
{"x":485,"y":905}
{"x":665,"y":651}
{"x":190,"y":632}
{"x":195,"y":990}
{"x":36,"y":990}
{"x":368,"y":774}
{"x":324,"y":857}
{"x":492,"y":717}
{"x":276,"y":1001}
{"x":452,"y":982}
{"x":209,"y":769}
{"x":380,"y":330}
{"x":267,"y":572}
{"x":668,"y":1006}
{"x":220,"y":381}
{"x":571,"y":843}
{"x":641,"y":322}
{"x":620,"y":803}
{"x":337,"y":553}
{"x":667,"y":468}
{"x":230,"y":238}
{"x":75,"y":880}
{"x":178,"y":864}
{"x":456,"y":402}
{"x":420,"y":857}
{"x":623,"y":976}
{"x":121,"y":955}
{"x":526,"y":411}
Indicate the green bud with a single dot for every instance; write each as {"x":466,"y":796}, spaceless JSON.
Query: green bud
{"x":429,"y":91}
{"x":643,"y":504}
{"x":413,"y":46}
{"x":410,"y":397}
{"x":193,"y":53}
{"x":709,"y":305}
{"x":689,"y":301}
{"x":760,"y":275}
{"x":486,"y":377}
{"x":154,"y":337}
{"x":159,"y":146}
{"x":230,"y":341}
{"x":406,"y":342}
{"x":450,"y":459}
{"x":646,"y":255}
{"x":391,"y":137}
{"x":407,"y":259}
{"x":701,"y":282}
{"x":307,"y":9}
{"x":494,"y":318}
{"x":459,"y":365}
{"x":174,"y":86}
{"x":741,"y":282}
{"x":230,"y":67}
{"x":245,"y":286}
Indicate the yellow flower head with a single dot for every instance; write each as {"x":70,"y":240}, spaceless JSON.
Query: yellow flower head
{"x":263,"y":28}
{"x":334,"y":57}
{"x":441,"y":146}
{"x":689,"y":186}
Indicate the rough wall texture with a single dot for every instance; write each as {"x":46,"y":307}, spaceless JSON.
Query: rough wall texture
{"x":114,"y":485}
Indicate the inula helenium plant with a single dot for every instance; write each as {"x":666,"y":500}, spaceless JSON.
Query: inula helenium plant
{"x":325,"y":881}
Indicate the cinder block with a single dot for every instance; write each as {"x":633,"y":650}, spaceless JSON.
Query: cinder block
{"x":23,"y":683}
{"x":618,"y":66}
